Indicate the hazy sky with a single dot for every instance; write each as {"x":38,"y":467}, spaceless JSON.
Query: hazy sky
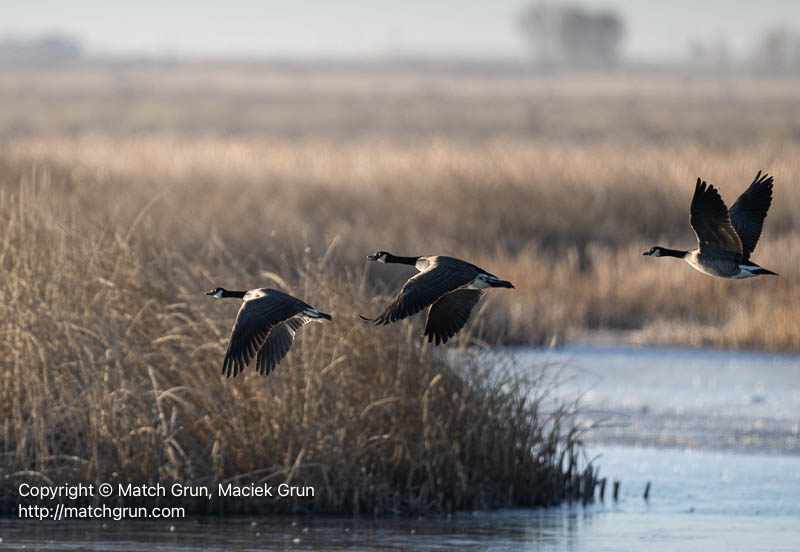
{"x":656,"y":29}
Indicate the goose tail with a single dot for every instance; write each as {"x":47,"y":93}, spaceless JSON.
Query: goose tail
{"x":761,"y":270}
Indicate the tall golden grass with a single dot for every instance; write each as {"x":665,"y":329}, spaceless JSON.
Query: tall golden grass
{"x":567,"y":225}
{"x":111,"y":355}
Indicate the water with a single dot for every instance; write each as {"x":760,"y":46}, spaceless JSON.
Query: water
{"x":683,"y":398}
{"x":716,"y":433}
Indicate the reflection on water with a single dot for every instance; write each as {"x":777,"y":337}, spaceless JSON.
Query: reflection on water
{"x":745,"y":497}
{"x":503,"y":530}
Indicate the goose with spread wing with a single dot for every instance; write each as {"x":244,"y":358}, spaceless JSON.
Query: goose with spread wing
{"x":264,"y":327}
{"x":725,"y":238}
{"x":449,"y":286}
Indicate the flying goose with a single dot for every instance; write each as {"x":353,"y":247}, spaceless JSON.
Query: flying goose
{"x":725,"y":238}
{"x":265,"y":326}
{"x":451,"y":287}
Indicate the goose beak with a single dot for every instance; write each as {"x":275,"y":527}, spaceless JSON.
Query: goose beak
{"x":372,"y":257}
{"x":647,"y":253}
{"x":210,"y":292}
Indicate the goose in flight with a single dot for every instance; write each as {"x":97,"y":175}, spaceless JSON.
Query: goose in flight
{"x":264,"y":327}
{"x":451,"y":287}
{"x":725,"y":238}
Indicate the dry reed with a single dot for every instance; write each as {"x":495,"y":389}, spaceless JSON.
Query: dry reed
{"x":110,"y":372}
{"x":565,"y":227}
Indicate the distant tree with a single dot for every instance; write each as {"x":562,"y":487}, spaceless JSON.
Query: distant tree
{"x":698,"y":52}
{"x":573,"y":36}
{"x":778,"y":51}
{"x":721,"y":56}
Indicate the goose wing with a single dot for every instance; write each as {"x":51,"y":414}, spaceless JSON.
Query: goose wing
{"x":450,"y":313}
{"x":278,"y":343}
{"x":254,"y":321}
{"x":442,"y":276}
{"x":749,"y":211}
{"x":712,"y":224}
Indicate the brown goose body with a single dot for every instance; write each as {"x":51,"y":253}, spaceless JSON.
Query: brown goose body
{"x":449,"y":286}
{"x":725,"y":238}
{"x":264,"y":327}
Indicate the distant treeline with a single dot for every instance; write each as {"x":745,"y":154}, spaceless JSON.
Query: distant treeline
{"x":51,"y":47}
{"x":576,"y":37}
{"x":559,"y":37}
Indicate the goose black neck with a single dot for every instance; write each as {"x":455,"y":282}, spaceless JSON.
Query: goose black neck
{"x":401,"y":260}
{"x":237,"y":294}
{"x":673,"y":253}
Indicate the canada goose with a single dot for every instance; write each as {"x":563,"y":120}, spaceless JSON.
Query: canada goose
{"x":265,"y":325}
{"x":452,"y":286}
{"x":725,"y":238}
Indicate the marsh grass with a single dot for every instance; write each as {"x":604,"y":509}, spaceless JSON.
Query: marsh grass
{"x":567,"y":225}
{"x":110,"y":372}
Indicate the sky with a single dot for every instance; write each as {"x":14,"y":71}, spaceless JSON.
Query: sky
{"x":656,"y":30}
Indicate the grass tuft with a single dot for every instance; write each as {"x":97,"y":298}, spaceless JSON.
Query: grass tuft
{"x":111,"y":372}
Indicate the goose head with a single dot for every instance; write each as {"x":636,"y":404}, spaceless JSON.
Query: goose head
{"x":380,"y":256}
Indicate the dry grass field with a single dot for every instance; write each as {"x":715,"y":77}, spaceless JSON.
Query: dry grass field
{"x":111,"y":357}
{"x":127,"y":191}
{"x":567,"y":224}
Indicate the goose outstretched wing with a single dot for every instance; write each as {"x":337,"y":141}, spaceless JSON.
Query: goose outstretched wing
{"x":711,"y":223}
{"x":254,"y":322}
{"x":278,"y":343}
{"x":748,"y":213}
{"x":450,"y":313}
{"x":421,"y":290}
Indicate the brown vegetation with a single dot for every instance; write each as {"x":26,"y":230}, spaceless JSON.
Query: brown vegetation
{"x":111,"y":357}
{"x":109,"y":354}
{"x":567,"y":225}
